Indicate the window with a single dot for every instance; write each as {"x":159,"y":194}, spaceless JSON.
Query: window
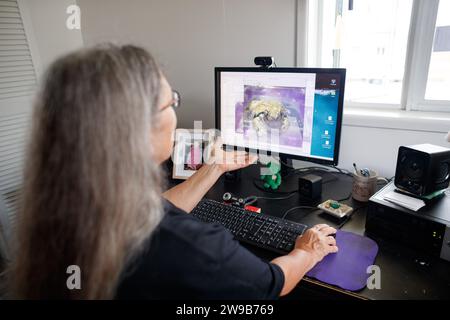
{"x":438,"y":84}
{"x":396,"y":52}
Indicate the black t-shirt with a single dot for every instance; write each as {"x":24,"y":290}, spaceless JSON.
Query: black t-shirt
{"x":186,"y":258}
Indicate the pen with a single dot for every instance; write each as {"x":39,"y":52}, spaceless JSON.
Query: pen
{"x":356,"y":169}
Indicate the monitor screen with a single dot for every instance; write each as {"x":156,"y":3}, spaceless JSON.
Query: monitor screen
{"x":294,"y":112}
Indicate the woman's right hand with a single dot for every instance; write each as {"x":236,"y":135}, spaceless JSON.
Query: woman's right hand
{"x":318,"y":242}
{"x":310,"y":248}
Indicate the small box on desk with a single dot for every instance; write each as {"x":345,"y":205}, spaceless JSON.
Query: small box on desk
{"x":310,"y":186}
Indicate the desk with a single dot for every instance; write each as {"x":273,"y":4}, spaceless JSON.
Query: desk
{"x":403,"y":276}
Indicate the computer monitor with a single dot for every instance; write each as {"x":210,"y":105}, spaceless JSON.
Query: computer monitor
{"x":293,"y":112}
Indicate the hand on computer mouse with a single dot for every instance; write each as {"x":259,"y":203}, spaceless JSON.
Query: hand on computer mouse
{"x":318,"y":241}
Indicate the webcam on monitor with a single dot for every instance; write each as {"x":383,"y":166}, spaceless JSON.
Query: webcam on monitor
{"x":265,"y":62}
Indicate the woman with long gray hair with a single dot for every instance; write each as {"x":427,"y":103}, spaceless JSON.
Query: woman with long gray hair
{"x":103,"y":123}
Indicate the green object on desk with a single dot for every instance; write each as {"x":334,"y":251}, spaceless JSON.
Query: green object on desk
{"x":434,"y":194}
{"x":335,"y":205}
{"x":273,"y":179}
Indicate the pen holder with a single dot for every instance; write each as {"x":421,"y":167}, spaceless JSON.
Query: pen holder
{"x":364,"y":187}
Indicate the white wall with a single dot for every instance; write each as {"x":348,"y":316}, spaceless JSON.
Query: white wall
{"x":46,"y":20}
{"x":377,"y":147}
{"x":191,"y":37}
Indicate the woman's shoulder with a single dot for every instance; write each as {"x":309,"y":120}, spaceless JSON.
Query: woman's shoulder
{"x":180,"y":226}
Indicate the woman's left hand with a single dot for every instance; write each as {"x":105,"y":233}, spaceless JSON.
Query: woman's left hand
{"x":230,"y":160}
{"x":187,"y":194}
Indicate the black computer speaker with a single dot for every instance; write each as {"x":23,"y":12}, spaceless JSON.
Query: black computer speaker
{"x":422,"y":169}
{"x":310,"y":186}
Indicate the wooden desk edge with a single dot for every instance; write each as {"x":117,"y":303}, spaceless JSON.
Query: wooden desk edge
{"x":333,"y":288}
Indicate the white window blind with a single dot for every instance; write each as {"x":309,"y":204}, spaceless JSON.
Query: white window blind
{"x":17,"y":74}
{"x":18,"y":82}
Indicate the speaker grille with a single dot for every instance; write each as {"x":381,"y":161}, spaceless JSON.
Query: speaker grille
{"x":411,"y":171}
{"x":413,"y":166}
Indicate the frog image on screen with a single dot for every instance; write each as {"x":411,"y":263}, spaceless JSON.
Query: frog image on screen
{"x":266,"y":114}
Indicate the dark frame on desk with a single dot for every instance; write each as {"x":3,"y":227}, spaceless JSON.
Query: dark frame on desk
{"x":340,"y":72}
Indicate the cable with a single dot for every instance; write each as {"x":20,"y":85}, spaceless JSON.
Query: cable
{"x":281,"y":198}
{"x":330,"y":180}
{"x":296,"y":208}
{"x":346,"y":198}
{"x":306,"y":169}
{"x":323,"y":169}
{"x":342,"y":171}
{"x":347,"y":219}
{"x":252,"y":199}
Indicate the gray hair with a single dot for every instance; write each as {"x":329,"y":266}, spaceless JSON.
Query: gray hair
{"x":92,"y":193}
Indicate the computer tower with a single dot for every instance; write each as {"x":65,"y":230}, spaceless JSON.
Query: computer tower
{"x":426,"y":231}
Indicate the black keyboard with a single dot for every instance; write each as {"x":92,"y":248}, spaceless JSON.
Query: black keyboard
{"x":261,"y":230}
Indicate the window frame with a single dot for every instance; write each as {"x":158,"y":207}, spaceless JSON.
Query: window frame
{"x":422,"y":44}
{"x":417,"y":62}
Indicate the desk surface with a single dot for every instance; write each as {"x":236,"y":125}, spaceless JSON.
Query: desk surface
{"x":404,"y":274}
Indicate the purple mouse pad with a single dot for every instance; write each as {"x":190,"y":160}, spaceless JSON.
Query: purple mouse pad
{"x":348,"y":267}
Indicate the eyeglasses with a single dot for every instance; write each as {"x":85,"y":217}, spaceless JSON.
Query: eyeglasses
{"x":175,"y":102}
